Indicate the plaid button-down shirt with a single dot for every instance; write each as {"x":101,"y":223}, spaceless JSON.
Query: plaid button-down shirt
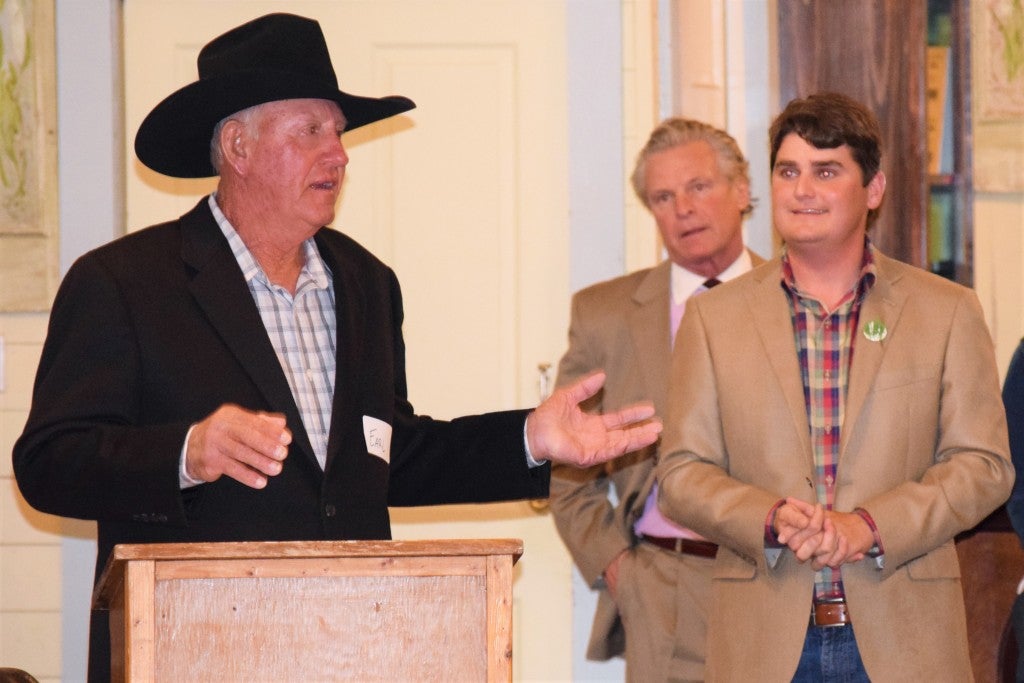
{"x":824,"y":343}
{"x":302,"y":329}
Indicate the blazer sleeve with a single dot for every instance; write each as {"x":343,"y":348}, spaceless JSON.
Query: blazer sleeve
{"x":470,"y":459}
{"x":696,"y":488}
{"x":970,"y":474}
{"x":580,"y":504}
{"x":82,"y":453}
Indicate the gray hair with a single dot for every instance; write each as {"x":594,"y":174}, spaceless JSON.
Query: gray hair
{"x":676,"y":131}
{"x":244,"y":117}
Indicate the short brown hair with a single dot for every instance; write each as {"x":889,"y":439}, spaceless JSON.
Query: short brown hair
{"x":828,"y":120}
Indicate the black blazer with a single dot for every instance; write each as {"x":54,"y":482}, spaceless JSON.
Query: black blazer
{"x":152,"y":332}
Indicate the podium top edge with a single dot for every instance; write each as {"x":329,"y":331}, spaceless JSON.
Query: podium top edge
{"x":124,"y":554}
{"x":277,"y":549}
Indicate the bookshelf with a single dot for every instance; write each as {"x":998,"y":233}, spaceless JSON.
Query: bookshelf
{"x":909,"y":61}
{"x":948,"y":143}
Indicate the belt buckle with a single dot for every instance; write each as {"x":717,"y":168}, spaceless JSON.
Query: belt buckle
{"x":842,"y":620}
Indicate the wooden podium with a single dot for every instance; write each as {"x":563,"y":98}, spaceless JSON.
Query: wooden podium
{"x":311,"y":611}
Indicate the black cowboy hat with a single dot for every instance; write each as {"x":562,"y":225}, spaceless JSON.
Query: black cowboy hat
{"x":274,"y":57}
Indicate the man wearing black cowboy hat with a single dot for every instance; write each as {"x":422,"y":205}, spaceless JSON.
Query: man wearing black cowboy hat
{"x":239,"y":373}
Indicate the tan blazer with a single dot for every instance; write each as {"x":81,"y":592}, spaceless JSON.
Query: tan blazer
{"x":622,"y":327}
{"x":924,"y":451}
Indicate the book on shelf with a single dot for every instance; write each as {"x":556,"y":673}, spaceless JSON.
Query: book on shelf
{"x":941,"y":225}
{"x":939,"y":110}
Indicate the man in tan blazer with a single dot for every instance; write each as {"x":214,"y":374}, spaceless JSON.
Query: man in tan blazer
{"x":694,"y":179}
{"x":835,"y":421}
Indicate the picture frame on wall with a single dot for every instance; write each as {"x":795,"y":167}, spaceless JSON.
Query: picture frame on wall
{"x":29,"y":210}
{"x":998,"y":81}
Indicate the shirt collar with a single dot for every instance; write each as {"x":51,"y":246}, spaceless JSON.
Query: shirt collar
{"x":685,"y":282}
{"x":868,"y":273}
{"x":314,"y":268}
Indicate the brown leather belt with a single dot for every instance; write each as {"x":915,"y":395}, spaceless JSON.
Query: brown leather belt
{"x":686,"y":546}
{"x":829,"y":614}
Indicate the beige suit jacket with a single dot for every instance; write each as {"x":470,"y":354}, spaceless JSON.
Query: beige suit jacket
{"x":923,"y":450}
{"x":620,"y":326}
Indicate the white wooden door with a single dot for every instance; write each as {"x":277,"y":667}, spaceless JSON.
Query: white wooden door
{"x":465,"y":197}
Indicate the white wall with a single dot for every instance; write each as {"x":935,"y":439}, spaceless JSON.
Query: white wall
{"x":596,"y":212}
{"x":46,"y":562}
{"x":91,"y":213}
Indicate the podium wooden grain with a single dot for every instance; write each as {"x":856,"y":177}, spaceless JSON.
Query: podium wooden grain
{"x":311,"y":611}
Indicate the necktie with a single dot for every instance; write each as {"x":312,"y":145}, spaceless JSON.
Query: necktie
{"x":676,"y":313}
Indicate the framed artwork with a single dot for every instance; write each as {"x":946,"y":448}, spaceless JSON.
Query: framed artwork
{"x":998,"y":86}
{"x":28,"y":156}
{"x":1001,"y":76}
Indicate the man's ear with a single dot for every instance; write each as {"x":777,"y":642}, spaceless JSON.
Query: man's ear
{"x":232,"y":143}
{"x":876,"y":190}
{"x":743,"y":192}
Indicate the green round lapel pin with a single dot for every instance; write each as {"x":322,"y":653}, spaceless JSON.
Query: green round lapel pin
{"x":875,"y":330}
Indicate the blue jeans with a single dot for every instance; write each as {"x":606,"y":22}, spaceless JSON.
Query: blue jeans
{"x":830,"y":656}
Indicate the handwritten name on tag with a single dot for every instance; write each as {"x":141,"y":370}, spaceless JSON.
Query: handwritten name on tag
{"x":378,"y":437}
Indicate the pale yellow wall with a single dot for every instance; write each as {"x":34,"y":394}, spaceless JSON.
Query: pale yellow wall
{"x":30,"y":580}
{"x":999,"y":268}
{"x":998,"y":159}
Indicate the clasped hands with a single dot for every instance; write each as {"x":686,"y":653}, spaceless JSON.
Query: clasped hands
{"x":823,"y":537}
{"x":251,"y":446}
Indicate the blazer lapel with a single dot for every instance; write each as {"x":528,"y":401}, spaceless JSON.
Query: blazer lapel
{"x":350,"y":313}
{"x":884,"y":303}
{"x":649,"y":330}
{"x":220,"y":290}
{"x":774,"y":323}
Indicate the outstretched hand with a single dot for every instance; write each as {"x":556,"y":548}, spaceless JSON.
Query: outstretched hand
{"x":559,"y":431}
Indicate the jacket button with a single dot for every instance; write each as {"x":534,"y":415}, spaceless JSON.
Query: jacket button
{"x":330,"y":510}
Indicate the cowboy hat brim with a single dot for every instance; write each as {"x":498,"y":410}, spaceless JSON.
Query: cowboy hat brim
{"x":174,"y":139}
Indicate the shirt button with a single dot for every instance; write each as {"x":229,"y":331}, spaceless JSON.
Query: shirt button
{"x":330,"y":510}
{"x":829,"y":479}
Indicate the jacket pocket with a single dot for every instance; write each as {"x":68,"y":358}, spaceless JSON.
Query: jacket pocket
{"x":730,"y":566}
{"x":899,"y":377}
{"x":940,"y":563}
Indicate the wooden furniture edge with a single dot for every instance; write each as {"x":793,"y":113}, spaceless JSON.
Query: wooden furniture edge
{"x":123,"y":553}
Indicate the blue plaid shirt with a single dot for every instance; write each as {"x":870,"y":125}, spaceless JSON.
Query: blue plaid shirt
{"x":302,"y":329}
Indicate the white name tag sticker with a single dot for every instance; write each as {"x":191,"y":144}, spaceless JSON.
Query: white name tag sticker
{"x":378,"y":437}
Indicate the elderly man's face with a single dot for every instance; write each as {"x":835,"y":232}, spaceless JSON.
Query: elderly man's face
{"x":698,"y":209}
{"x":296,"y":163}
